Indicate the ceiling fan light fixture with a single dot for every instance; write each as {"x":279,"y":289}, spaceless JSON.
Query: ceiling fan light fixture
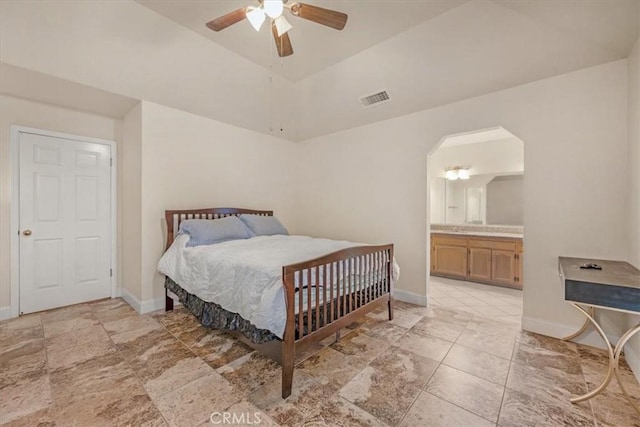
{"x":282,"y":25}
{"x":273,"y":8}
{"x":256,"y":17}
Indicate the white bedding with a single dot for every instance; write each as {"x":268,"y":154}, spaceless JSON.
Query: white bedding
{"x":245,"y":276}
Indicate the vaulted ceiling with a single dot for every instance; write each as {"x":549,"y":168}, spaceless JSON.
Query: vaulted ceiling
{"x":424,"y":53}
{"x":316,"y":47}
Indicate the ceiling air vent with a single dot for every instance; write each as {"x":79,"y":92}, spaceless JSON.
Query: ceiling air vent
{"x":376,"y":98}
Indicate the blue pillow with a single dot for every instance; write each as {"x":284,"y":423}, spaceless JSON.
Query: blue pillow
{"x":263,"y":225}
{"x":208,"y":231}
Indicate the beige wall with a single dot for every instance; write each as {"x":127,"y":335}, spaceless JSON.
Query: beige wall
{"x":633,"y":239}
{"x":633,"y":242}
{"x":16,"y":111}
{"x":131,"y":197}
{"x":369,"y":183}
{"x":189,"y":161}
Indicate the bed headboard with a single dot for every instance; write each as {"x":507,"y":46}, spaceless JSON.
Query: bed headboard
{"x":174,"y":218}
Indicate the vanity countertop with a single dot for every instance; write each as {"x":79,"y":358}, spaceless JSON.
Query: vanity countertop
{"x":492,"y":234}
{"x":471,"y":230}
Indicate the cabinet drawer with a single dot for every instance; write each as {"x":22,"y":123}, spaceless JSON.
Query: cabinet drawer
{"x":493,"y":244}
{"x":449,"y":241}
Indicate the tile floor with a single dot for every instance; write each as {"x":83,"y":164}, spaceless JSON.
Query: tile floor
{"x":103,"y":364}
{"x":494,"y":302}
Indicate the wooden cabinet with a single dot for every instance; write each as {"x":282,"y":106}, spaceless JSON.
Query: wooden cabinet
{"x":449,"y":257}
{"x":503,"y":267}
{"x":496,"y":261}
{"x":479,"y":264}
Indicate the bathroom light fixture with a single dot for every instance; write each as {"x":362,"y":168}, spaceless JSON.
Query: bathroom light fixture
{"x":457,"y":172}
{"x":463,"y":174}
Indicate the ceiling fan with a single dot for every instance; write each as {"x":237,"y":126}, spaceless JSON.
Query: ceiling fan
{"x":274,"y":9}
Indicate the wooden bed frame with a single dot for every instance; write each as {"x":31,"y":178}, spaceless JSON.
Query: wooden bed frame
{"x":316,"y":321}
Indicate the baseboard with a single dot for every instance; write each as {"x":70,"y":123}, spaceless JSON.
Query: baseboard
{"x":633,"y":359}
{"x":146,"y":306}
{"x":410,"y":297}
{"x":131,"y":300}
{"x":5,"y":313}
{"x":560,"y":330}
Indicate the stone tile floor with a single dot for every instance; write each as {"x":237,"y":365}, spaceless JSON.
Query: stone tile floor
{"x":103,"y":364}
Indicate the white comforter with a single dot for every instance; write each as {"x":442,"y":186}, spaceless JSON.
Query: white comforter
{"x":245,"y":276}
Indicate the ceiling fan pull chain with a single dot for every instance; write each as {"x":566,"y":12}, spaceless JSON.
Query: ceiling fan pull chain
{"x":270,"y":83}
{"x":271,"y":103}
{"x":281,"y":97}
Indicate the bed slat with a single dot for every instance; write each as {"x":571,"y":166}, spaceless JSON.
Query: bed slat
{"x":324,"y":293}
{"x":309,"y":290}
{"x":300,"y":278}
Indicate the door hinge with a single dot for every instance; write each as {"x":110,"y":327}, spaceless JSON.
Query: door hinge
{"x":111,"y":272}
{"x":111,"y":162}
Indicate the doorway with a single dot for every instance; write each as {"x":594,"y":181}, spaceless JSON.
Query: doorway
{"x":63,"y":214}
{"x":476,"y":223}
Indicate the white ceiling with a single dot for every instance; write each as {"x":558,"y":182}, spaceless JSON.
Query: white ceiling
{"x":40,"y":87}
{"x":315,"y":46}
{"x":424,"y":53}
{"x":477,"y":48}
{"x":607,"y":23}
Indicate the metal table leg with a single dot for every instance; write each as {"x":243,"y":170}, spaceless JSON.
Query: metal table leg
{"x":584,"y":327}
{"x":623,"y":340}
{"x":614,"y":359}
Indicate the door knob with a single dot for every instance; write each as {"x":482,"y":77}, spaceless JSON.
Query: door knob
{"x":27,"y":232}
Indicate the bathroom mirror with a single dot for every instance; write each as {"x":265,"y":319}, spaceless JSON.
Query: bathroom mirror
{"x":489,"y":199}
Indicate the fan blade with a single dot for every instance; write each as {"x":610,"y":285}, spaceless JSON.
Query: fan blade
{"x":319,"y":15}
{"x":227,"y":20}
{"x":282,"y":43}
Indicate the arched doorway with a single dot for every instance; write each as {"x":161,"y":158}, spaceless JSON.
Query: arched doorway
{"x":475,"y":220}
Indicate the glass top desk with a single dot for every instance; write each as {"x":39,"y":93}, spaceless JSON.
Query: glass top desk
{"x":616,"y":287}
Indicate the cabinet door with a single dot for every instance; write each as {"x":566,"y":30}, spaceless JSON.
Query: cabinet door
{"x":503,"y":267}
{"x":479,"y":264}
{"x":450,"y":260}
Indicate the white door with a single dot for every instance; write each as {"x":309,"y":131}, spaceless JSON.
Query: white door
{"x":65,"y":222}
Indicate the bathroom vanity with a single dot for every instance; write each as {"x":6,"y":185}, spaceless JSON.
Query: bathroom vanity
{"x":491,"y":257}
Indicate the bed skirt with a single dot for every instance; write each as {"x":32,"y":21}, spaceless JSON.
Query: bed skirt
{"x":211,"y":315}
{"x":214,"y":316}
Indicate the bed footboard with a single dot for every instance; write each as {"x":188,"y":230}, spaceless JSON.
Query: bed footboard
{"x":326,"y":294}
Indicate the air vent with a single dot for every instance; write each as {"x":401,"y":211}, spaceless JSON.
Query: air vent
{"x":376,"y":98}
